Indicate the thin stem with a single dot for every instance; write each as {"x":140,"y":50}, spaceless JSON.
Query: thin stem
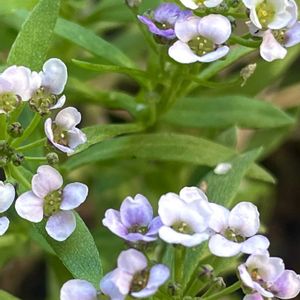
{"x":29,"y":130}
{"x":236,"y":286}
{"x":19,"y":177}
{"x":2,"y":126}
{"x":7,"y":172}
{"x":179,"y":263}
{"x":244,"y":42}
{"x":31,"y":158}
{"x":30,"y":146}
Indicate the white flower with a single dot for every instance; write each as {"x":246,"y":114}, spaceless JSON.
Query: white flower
{"x":235,"y":230}
{"x":266,"y":276}
{"x":200,"y":39}
{"x":7,"y":197}
{"x":62,"y":132}
{"x":194,"y":4}
{"x":77,"y":289}
{"x":272,"y":14}
{"x":48,"y":198}
{"x":184,"y":217}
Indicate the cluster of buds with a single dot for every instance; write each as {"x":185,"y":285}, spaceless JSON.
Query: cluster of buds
{"x":8,"y":154}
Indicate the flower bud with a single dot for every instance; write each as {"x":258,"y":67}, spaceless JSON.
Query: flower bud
{"x":17,"y":159}
{"x":3,"y":146}
{"x":206,"y":272}
{"x":15,"y":129}
{"x":52,"y":158}
{"x":3,"y":161}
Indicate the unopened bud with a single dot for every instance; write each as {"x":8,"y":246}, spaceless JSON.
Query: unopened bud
{"x":17,"y":159}
{"x":3,"y":145}
{"x":206,"y":272}
{"x":133,"y":3}
{"x":15,"y":129}
{"x":52,"y":158}
{"x":3,"y":161}
{"x":247,"y":72}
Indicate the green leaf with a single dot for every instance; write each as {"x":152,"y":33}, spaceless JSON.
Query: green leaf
{"x":162,"y":147}
{"x":138,"y":75}
{"x":6,"y":296}
{"x":78,"y":253}
{"x":99,"y":133}
{"x":11,"y":5}
{"x":31,"y":45}
{"x":90,"y":41}
{"x":226,"y":111}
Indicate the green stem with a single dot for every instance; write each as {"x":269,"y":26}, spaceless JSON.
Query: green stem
{"x":236,"y":286}
{"x":35,"y":144}
{"x":31,"y":158}
{"x":179,"y":263}
{"x":244,"y":42}
{"x":7,"y":172}
{"x":28,"y":131}
{"x":2,"y":126}
{"x":19,"y":177}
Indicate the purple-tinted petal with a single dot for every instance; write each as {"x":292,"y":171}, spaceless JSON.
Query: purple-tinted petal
{"x":68,"y":118}
{"x":287,"y":286}
{"x":4,"y":224}
{"x":132,"y":261}
{"x":167,"y":13}
{"x":46,"y":181}
{"x":245,"y":276}
{"x":292,"y":36}
{"x":30,"y":207}
{"x":73,"y":195}
{"x":77,"y":289}
{"x":136,"y":211}
{"x":61,"y":225}
{"x":134,"y":237}
{"x":159,"y":274}
{"x":7,"y":196}
{"x":116,"y":284}
{"x":255,"y":296}
{"x":154,"y":226}
{"x":113,"y":222}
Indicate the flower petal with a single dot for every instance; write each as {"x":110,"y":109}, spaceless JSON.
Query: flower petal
{"x":245,"y":276}
{"x":189,"y":4}
{"x":136,"y":211}
{"x":182,"y":53}
{"x":287,"y":286}
{"x":132,"y":261}
{"x":255,"y":296}
{"x":154,"y":226}
{"x":187,"y":28}
{"x":220,"y":246}
{"x":74,"y":194}
{"x":68,"y":118}
{"x":54,"y":75}
{"x":113,"y":222}
{"x":4,"y":224}
{"x":292,"y":36}
{"x":60,"y":102}
{"x":61,"y":225}
{"x":255,"y":245}
{"x":191,"y":193}
{"x":75,"y":138}
{"x":45,"y":181}
{"x":214,"y":55}
{"x":219,"y":218}
{"x":77,"y":289}
{"x":7,"y":196}
{"x":30,"y":207}
{"x":114,"y":282}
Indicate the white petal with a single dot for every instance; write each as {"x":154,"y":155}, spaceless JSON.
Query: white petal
{"x":7,"y":196}
{"x":46,"y":180}
{"x":60,"y":102}
{"x":189,"y":4}
{"x":219,"y":218}
{"x":132,"y":261}
{"x":68,"y":118}
{"x":48,"y":130}
{"x":187,"y":29}
{"x":30,"y":207}
{"x":220,"y":246}
{"x":214,"y":55}
{"x":75,"y":138}
{"x":4,"y":224}
{"x":77,"y":289}
{"x":212,"y":3}
{"x":61,"y":225}
{"x":171,"y":236}
{"x":54,"y":75}
{"x":216,"y":28}
{"x":73,"y":195}
{"x":182,"y":53}
{"x":189,"y":194}
{"x":270,"y":49}
{"x":245,"y":276}
{"x":293,"y":36}
{"x":255,"y":245}
{"x":244,"y":219}
{"x":114,"y":282}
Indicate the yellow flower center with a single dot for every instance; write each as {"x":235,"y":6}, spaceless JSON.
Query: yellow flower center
{"x":265,"y":12}
{"x":8,"y":102}
{"x":201,"y":45}
{"x":52,"y":203}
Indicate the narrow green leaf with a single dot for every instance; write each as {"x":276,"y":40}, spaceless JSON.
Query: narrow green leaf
{"x":31,"y":45}
{"x":222,"y":112}
{"x":90,"y":41}
{"x":138,"y":75}
{"x":162,"y":147}
{"x":99,"y":133}
{"x":6,"y":296}
{"x":78,"y":253}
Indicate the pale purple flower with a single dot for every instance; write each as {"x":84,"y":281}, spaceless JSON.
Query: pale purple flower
{"x":272,"y":14}
{"x":7,"y":197}
{"x":134,"y":222}
{"x":185,"y":217}
{"x":77,"y":289}
{"x":163,"y":20}
{"x":48,"y":198}
{"x":133,"y":276}
{"x":62,"y":132}
{"x":266,"y":277}
{"x":194,"y":4}
{"x":201,"y":39}
{"x":235,"y":230}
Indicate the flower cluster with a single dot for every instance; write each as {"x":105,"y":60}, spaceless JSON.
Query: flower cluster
{"x":197,"y":36}
{"x":187,"y":219}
